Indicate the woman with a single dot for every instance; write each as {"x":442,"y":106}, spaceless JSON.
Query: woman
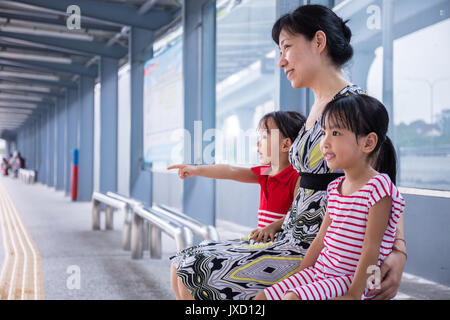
{"x":314,"y":44}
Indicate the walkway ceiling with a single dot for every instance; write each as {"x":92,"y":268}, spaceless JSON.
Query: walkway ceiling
{"x":40,"y":57}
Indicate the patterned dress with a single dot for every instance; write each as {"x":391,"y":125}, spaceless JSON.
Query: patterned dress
{"x":240,"y":268}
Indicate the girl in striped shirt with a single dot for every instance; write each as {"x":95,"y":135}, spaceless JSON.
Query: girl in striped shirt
{"x":277,"y":178}
{"x":364,"y":206}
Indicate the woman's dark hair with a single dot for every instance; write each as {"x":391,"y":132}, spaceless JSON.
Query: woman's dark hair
{"x":309,"y":19}
{"x":288,"y":122}
{"x":362,"y":115}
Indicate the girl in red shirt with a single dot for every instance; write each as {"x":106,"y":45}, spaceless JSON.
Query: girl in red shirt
{"x":277,"y":178}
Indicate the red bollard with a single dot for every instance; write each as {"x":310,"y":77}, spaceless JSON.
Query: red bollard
{"x":74,"y":193}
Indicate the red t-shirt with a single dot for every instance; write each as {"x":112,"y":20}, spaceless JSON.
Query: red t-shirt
{"x":276,"y":193}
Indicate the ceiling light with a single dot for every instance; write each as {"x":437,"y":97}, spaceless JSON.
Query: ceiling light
{"x":24,"y":87}
{"x":17,"y":104}
{"x":20,"y":97}
{"x":34,"y":57}
{"x":48,"y":33}
{"x":15,"y":111}
{"x":27,"y":75}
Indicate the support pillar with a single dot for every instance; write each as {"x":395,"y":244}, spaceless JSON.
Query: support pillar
{"x":51,"y":146}
{"x":72,"y":114}
{"x":42,"y":169}
{"x":60,"y":141}
{"x":86,"y":139}
{"x":109,"y":69}
{"x":140,"y":50}
{"x":199,"y":65}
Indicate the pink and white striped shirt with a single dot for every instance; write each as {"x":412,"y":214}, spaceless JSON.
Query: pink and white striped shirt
{"x":345,"y":235}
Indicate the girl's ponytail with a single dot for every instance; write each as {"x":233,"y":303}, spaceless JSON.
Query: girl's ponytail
{"x":386,"y":159}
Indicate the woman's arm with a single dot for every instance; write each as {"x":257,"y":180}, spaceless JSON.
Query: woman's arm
{"x":217,"y":171}
{"x":317,"y":245}
{"x":377,"y":221}
{"x":392,"y":267}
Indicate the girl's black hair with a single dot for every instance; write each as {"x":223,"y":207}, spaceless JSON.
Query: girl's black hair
{"x":288,"y":122}
{"x":309,"y":19}
{"x":362,"y":115}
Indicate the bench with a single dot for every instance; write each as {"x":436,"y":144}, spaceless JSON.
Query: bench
{"x":27,"y":176}
{"x":130,"y":203}
{"x":206,"y":232}
{"x":158,"y":223}
{"x":143,"y":226}
{"x":110,"y":205}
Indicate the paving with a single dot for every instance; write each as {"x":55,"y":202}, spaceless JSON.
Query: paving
{"x":79,"y":263}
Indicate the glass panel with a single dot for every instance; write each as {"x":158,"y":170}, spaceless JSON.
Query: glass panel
{"x":244,"y":93}
{"x":245,"y":76}
{"x":421,"y":81}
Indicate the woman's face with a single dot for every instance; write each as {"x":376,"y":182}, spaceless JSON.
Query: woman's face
{"x":299,"y":58}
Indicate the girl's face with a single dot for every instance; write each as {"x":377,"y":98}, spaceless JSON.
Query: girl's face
{"x":299,"y":58}
{"x":341,"y":149}
{"x":270,"y":143}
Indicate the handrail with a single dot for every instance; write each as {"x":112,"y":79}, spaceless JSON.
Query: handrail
{"x":183,"y":236}
{"x":207,"y":232}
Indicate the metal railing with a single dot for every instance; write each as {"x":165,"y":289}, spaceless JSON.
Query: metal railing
{"x":111,"y":205}
{"x":207,"y":232}
{"x":27,"y":176}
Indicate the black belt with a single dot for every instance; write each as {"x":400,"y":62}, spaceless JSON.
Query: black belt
{"x":315,"y":181}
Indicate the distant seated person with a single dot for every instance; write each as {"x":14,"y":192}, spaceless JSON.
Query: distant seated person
{"x":277,"y":178}
{"x":4,"y":167}
{"x":18,"y":163}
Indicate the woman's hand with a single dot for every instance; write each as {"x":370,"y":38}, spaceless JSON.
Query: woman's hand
{"x":184,"y":171}
{"x":391,"y":275}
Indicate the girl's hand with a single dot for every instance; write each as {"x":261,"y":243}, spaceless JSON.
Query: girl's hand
{"x":391,"y":275}
{"x":265,"y":233}
{"x":184,"y":171}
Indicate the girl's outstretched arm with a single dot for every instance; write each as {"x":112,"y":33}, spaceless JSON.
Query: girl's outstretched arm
{"x":377,"y":222}
{"x":216,"y":171}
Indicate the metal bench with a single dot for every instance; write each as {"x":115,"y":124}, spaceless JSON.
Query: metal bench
{"x":206,"y":232}
{"x":143,"y":227}
{"x":130,"y":203}
{"x":158,"y":223}
{"x":110,"y":205}
{"x":27,"y":176}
